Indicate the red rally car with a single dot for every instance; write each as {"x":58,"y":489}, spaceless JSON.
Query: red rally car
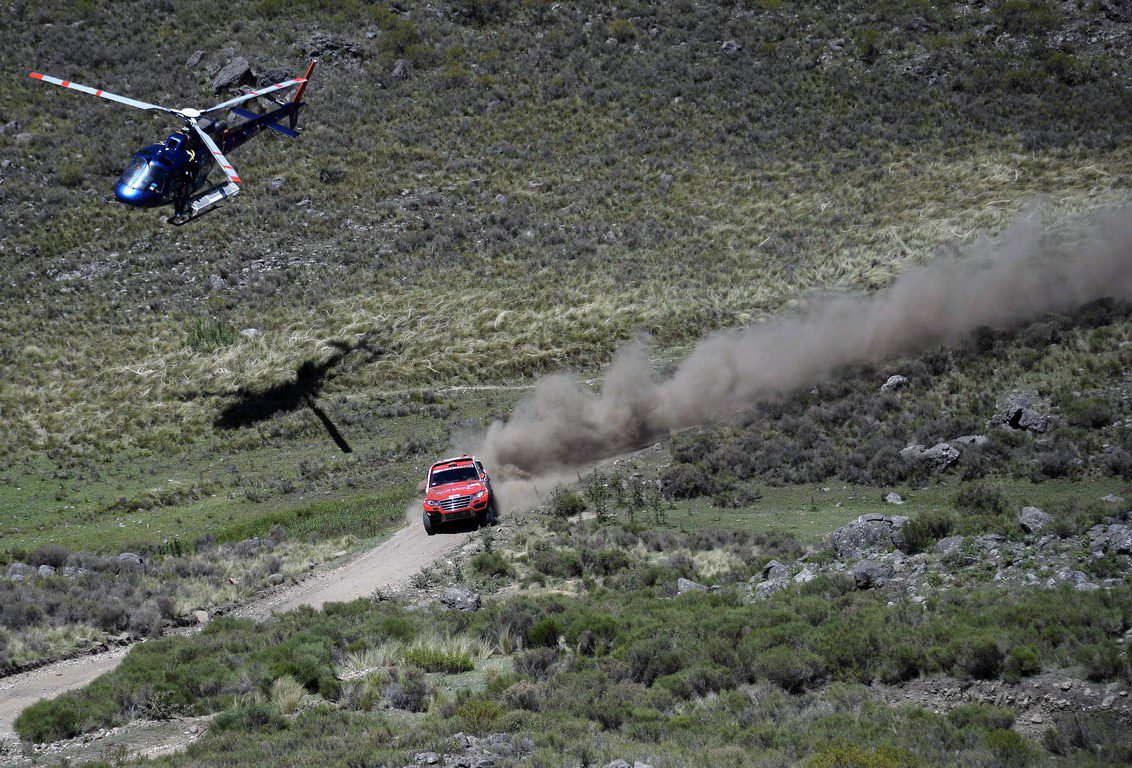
{"x":458,"y":489}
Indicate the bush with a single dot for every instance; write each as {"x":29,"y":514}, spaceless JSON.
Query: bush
{"x":436,"y":660}
{"x":979,"y":657}
{"x":981,"y":716}
{"x":478,"y":715}
{"x":921,"y":532}
{"x":686,"y":481}
{"x":1009,"y":748}
{"x":250,"y":717}
{"x":524,"y":695}
{"x":491,"y":564}
{"x":841,"y":755}
{"x":622,"y":30}
{"x":410,"y":691}
{"x":1022,"y":661}
{"x":981,"y":498}
{"x":566,"y":503}
{"x":544,"y":633}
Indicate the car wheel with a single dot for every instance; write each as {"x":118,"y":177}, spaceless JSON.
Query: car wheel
{"x":429,"y":525}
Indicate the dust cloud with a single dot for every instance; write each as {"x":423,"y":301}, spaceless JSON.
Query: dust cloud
{"x":1030,"y":269}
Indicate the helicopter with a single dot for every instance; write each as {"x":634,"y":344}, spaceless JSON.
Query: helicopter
{"x":176,"y":172}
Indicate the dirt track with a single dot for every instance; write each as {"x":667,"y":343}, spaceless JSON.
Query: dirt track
{"x":387,"y":566}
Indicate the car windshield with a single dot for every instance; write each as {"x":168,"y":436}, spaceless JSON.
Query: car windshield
{"x":140,"y":173}
{"x":453,"y":475}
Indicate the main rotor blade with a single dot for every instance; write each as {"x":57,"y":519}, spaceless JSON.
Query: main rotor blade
{"x":255,"y":94}
{"x":97,"y":92}
{"x":222,"y":161}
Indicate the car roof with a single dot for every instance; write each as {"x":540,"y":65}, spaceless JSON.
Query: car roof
{"x":455,"y":461}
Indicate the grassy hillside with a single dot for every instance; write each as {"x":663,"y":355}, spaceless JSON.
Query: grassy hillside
{"x":545,"y":181}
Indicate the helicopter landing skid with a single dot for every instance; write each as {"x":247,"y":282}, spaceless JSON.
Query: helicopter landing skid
{"x":203,"y":203}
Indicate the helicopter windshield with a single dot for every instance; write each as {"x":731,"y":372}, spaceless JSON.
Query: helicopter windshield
{"x":141,"y":173}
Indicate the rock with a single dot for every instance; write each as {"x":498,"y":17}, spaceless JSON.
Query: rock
{"x":641,"y":764}
{"x":275,"y":579}
{"x":892,"y":497}
{"x":1033,"y":519}
{"x":426,"y":758}
{"x":1112,"y":498}
{"x":235,"y":73}
{"x":323,"y":44}
{"x":687,"y":585}
{"x":804,"y":576}
{"x":949,"y":545}
{"x":775,"y":570}
{"x":400,"y":69}
{"x":969,"y":441}
{"x":1117,"y":10}
{"x":250,"y":333}
{"x":765,"y":589}
{"x":990,"y":541}
{"x":731,"y":46}
{"x":871,"y":573}
{"x":939,"y":457}
{"x":24,"y":138}
{"x":195,"y":59}
{"x":275,"y":184}
{"x":1019,"y":411}
{"x":129,"y":558}
{"x":201,"y":616}
{"x":666,"y":180}
{"x":870,"y":532}
{"x":10,"y":127}
{"x":272,"y":76}
{"x":894,"y":383}
{"x":460,"y":598}
{"x":1114,"y":539}
{"x":44,"y":571}
{"x":618,"y":764}
{"x":217,"y":283}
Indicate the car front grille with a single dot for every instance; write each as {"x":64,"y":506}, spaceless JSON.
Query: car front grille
{"x":456,"y":502}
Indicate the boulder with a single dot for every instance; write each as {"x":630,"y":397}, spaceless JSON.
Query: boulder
{"x":893,"y":498}
{"x":272,"y":76}
{"x":969,"y":441}
{"x":939,"y":457}
{"x":426,"y":758}
{"x":1033,"y":519}
{"x":1020,"y":411}
{"x":687,"y":585}
{"x":765,"y":589}
{"x":804,"y":576}
{"x":235,"y":73}
{"x":460,"y":598}
{"x":44,"y":571}
{"x":949,"y":545}
{"x":11,"y":126}
{"x":894,"y":383}
{"x":1114,"y":539}
{"x":201,"y":616}
{"x":129,"y":559}
{"x":869,"y":532}
{"x":194,"y":60}
{"x":871,"y":573}
{"x":731,"y":46}
{"x":775,"y":570}
{"x":400,"y":69}
{"x":618,"y":764}
{"x":989,"y":541}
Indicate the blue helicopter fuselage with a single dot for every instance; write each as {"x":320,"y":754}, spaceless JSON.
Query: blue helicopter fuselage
{"x":156,"y":173}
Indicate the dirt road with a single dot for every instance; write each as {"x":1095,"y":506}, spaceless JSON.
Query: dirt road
{"x":387,"y":566}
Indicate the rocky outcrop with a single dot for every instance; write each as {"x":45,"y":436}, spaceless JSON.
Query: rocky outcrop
{"x":894,"y":383}
{"x":460,"y":598}
{"x":1033,"y":519}
{"x":775,"y":570}
{"x":871,"y":573}
{"x":1020,"y":411}
{"x":1114,"y":539}
{"x":939,"y":457}
{"x":235,"y":73}
{"x":684,"y":586}
{"x":872,"y":532}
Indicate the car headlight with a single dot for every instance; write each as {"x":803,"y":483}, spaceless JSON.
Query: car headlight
{"x":480,"y":495}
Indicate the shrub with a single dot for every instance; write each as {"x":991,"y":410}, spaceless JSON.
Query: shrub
{"x":566,"y":503}
{"x":1009,"y":748}
{"x":686,"y":481}
{"x":250,"y":716}
{"x":524,"y":695}
{"x":478,"y":714}
{"x":791,"y":669}
{"x":410,"y":691}
{"x":921,"y":532}
{"x":840,"y":755}
{"x":544,"y":633}
{"x":622,"y":30}
{"x":1027,"y":16}
{"x":436,"y":660}
{"x":536,"y":663}
{"x":982,"y":498}
{"x":491,"y":564}
{"x":1022,"y":661}
{"x":981,"y":716}
{"x":979,"y":657}
{"x":1102,"y":733}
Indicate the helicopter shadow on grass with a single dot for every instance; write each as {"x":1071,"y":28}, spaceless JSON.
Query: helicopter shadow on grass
{"x":302,"y":391}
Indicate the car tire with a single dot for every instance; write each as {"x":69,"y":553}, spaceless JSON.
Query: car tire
{"x":492,"y":511}
{"x":429,"y":525}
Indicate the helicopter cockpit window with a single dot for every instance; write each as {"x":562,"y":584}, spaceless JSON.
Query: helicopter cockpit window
{"x":142,"y":174}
